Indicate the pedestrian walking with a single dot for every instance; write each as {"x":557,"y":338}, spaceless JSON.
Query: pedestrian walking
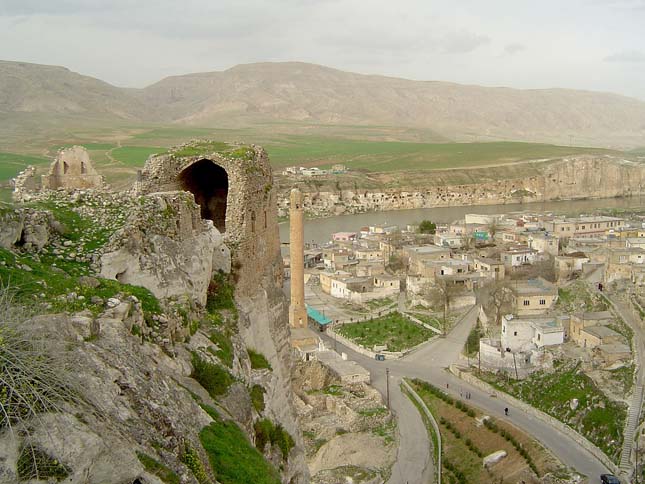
{"x":506,"y":411}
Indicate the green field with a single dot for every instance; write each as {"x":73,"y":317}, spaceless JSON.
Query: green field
{"x":396,"y":155}
{"x":135,"y":156}
{"x":394,"y":330}
{"x":12,"y":163}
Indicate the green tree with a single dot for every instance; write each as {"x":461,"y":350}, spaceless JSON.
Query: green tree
{"x":427,"y":227}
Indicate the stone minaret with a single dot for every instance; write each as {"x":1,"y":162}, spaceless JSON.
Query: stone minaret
{"x":297,"y":310}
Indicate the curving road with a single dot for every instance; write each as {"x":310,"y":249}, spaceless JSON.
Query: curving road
{"x":429,"y":363}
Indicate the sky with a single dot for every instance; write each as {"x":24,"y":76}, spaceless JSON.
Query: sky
{"x":581,"y":44}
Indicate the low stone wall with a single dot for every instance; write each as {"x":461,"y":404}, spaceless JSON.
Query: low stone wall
{"x":389,"y":355}
{"x":437,"y":452}
{"x":525,"y":407}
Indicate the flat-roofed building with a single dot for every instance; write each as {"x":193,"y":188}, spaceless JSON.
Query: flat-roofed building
{"x":525,"y":333}
{"x":518,"y":256}
{"x":489,"y":268}
{"x":533,"y":296}
{"x":583,"y":227}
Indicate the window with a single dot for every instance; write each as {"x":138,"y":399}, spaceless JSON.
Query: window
{"x":514,"y":333}
{"x":527,"y":302}
{"x":539,"y":336}
{"x":542,"y":302}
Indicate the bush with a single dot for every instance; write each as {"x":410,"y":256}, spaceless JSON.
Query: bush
{"x":233,"y":458}
{"x":225,"y":347}
{"x":257,"y":398}
{"x":34,"y":463}
{"x":34,"y":370}
{"x":267,"y":432}
{"x":155,"y":467}
{"x":215,"y":379}
{"x":191,"y":459}
{"x":258,"y":360}
{"x":221,"y":294}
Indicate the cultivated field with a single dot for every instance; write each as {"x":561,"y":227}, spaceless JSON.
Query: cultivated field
{"x":118,"y":149}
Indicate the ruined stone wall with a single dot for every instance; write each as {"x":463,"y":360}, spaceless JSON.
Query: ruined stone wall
{"x":251,"y":215}
{"x":72,"y":168}
{"x":580,"y":177}
{"x":251,"y":232}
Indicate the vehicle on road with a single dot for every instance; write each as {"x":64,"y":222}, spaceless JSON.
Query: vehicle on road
{"x":379,"y":357}
{"x":609,"y":479}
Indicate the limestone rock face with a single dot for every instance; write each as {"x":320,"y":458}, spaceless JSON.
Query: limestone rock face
{"x":167,"y":248}
{"x":11,"y":224}
{"x":568,"y":178}
{"x":133,"y":403}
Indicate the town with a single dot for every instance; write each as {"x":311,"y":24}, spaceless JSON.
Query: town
{"x":550,"y":301}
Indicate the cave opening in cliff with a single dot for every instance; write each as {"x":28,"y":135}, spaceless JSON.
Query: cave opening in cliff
{"x":208,"y":182}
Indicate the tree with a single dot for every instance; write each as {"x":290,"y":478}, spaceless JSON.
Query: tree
{"x":427,"y":227}
{"x":499,"y":298}
{"x":492,"y":228}
{"x":442,"y":293}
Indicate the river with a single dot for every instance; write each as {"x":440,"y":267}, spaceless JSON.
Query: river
{"x":319,"y":230}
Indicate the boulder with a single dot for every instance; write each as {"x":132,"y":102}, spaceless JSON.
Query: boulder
{"x":494,"y":458}
{"x":166,"y":247}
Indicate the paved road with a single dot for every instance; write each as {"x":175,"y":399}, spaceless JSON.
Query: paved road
{"x":429,"y":363}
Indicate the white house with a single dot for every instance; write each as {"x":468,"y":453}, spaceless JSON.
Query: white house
{"x":523,"y":334}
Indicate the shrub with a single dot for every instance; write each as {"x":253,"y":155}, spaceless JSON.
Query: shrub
{"x":220,"y":294}
{"x":258,"y":360}
{"x":34,"y":463}
{"x":191,"y":459}
{"x":215,"y":379}
{"x":233,"y":458}
{"x":257,"y":397}
{"x":155,"y":467}
{"x":267,"y":432}
{"x":225,"y":347}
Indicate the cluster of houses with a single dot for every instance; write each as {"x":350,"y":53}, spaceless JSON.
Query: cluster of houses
{"x":337,"y":169}
{"x":379,"y":261}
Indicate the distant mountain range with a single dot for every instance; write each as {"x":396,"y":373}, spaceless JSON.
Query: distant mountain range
{"x":312,"y":94}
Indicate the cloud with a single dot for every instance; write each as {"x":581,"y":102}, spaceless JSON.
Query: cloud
{"x":514,"y":48}
{"x":463,"y":42}
{"x":626,"y":56}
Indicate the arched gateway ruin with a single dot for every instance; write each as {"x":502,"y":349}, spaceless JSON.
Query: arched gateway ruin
{"x":233,"y":186}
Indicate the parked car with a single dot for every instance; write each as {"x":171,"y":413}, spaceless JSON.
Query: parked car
{"x":609,"y":479}
{"x":379,"y":357}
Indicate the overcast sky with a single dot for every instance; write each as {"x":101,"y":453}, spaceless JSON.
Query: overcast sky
{"x":584,"y":44}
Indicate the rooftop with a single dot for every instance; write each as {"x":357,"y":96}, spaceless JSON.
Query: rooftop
{"x":600,"y":331}
{"x":534,"y":287}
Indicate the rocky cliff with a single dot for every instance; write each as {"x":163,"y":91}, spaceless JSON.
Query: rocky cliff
{"x":570,"y":178}
{"x":169,"y":369}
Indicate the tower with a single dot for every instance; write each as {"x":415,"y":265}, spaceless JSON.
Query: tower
{"x":297,"y":309}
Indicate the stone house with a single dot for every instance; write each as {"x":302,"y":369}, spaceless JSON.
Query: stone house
{"x":335,"y":259}
{"x":489,"y":268}
{"x":367,"y":254}
{"x":543,"y":242}
{"x":584,"y":227}
{"x":523,"y":334}
{"x":533,"y":296}
{"x":581,"y":320}
{"x":594,"y":336}
{"x":416,"y":255}
{"x":518,"y":256}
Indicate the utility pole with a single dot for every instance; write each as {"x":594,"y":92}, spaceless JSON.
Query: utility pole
{"x":387,"y":385}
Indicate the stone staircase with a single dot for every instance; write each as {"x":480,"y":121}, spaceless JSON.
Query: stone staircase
{"x":630,"y":428}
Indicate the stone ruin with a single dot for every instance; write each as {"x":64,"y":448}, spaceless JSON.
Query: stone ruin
{"x":233,"y":186}
{"x":72,"y":168}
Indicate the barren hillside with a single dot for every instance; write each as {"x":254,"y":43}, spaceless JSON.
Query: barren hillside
{"x":312,"y":94}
